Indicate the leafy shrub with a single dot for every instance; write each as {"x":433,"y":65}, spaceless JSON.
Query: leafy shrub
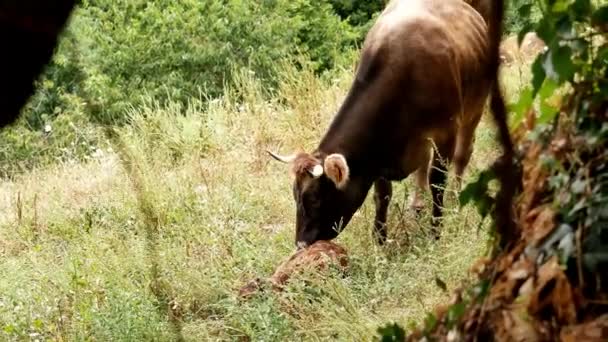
{"x":116,"y":54}
{"x":560,"y":215}
{"x":359,"y":13}
{"x":164,"y":49}
{"x":66,"y":137}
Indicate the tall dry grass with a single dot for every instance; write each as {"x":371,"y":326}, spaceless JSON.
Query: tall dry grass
{"x":150,"y":240}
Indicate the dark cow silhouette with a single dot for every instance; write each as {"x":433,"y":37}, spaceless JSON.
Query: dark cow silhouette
{"x":425,"y":72}
{"x":29,"y":30}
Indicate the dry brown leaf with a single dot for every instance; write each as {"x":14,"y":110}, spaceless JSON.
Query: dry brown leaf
{"x":558,"y":144}
{"x":479,"y":266}
{"x":507,"y":261}
{"x":471,"y":320}
{"x":561,"y":145}
{"x":554,"y":293}
{"x":530,"y":120}
{"x":508,"y":284}
{"x":526,"y":289}
{"x":594,"y":331}
{"x":538,"y":223}
{"x":515,"y":327}
{"x":533,"y":179}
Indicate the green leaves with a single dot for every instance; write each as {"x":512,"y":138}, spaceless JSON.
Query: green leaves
{"x":522,"y":105}
{"x":547,"y":111}
{"x":560,"y":6}
{"x":568,"y":52}
{"x":546,"y":30}
{"x":455,"y":312}
{"x":525,"y":10}
{"x":430,"y":322}
{"x":538,"y":74}
{"x":562,"y":63}
{"x":600,"y":16}
{"x":581,"y":9}
{"x":602,"y":55}
{"x":391,"y":333}
{"x":477,"y":192}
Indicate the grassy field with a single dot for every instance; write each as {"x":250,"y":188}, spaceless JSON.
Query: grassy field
{"x":151,"y":239}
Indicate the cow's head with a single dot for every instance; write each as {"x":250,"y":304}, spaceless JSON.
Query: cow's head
{"x":325,"y":194}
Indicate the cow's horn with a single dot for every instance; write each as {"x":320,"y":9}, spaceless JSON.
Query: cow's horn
{"x":284,"y":159}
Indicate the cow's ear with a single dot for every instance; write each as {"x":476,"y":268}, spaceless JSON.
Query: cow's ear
{"x":337,"y":170}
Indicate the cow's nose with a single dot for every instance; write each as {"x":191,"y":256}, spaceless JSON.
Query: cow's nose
{"x":301,"y":245}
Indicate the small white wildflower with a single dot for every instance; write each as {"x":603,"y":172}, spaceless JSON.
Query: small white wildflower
{"x":47,"y":128}
{"x":98,"y":154}
{"x":200,"y":189}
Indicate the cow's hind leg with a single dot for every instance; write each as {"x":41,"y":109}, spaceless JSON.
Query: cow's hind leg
{"x":383,"y":191}
{"x":421,"y":178}
{"x":437,"y":179}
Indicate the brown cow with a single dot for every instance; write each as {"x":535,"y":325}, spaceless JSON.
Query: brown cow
{"x":422,"y":81}
{"x":29,"y":30}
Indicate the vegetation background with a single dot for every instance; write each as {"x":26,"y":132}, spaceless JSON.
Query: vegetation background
{"x":147,"y":236}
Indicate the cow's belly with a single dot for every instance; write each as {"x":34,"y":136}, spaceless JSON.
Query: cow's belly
{"x":415,"y":154}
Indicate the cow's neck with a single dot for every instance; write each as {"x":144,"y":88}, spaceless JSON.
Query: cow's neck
{"x":357,"y":149}
{"x":356,"y":133}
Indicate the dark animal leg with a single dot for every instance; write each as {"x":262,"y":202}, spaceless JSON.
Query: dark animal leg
{"x":383,"y":191}
{"x":437,"y":180}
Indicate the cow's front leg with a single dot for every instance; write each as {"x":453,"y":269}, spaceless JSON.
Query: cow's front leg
{"x":383,"y":191}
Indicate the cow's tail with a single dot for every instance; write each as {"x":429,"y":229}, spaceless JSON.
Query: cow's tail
{"x":504,"y":166}
{"x":492,"y":12}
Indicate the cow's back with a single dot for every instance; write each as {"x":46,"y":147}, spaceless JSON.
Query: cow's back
{"x":422,"y":68}
{"x":437,"y":49}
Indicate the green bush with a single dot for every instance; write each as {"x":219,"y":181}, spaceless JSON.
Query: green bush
{"x":359,"y":13}
{"x":115,"y":54}
{"x":179,"y":50}
{"x":66,"y":137}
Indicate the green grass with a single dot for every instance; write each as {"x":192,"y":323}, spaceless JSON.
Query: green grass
{"x":151,"y":240}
